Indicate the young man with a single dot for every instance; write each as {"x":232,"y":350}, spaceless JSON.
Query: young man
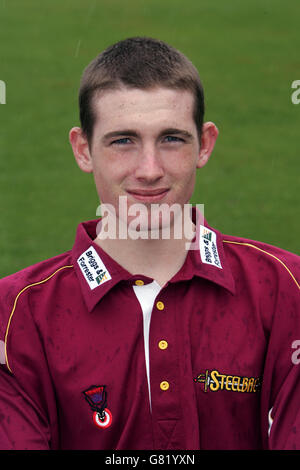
{"x":134,"y":339}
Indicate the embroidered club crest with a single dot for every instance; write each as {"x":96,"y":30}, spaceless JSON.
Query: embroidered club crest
{"x":96,"y":396}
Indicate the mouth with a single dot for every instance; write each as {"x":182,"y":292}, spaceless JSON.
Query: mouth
{"x":148,"y":195}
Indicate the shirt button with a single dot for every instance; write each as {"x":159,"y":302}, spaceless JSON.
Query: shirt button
{"x":164,"y":385}
{"x":139,"y":282}
{"x":160,"y":305}
{"x":163,"y":344}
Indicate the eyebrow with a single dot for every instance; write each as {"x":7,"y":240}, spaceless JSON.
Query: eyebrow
{"x":125,"y":132}
{"x":173,"y":131}
{"x":132,"y":133}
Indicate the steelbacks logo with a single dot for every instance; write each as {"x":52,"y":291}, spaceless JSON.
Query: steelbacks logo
{"x":214,"y":380}
{"x":96,"y":396}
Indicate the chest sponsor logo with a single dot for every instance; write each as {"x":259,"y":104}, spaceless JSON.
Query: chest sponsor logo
{"x":96,"y":396}
{"x":214,"y":381}
{"x":208,"y":247}
{"x":92,"y":268}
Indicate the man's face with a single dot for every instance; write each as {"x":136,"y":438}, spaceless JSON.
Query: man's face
{"x":145,"y":146}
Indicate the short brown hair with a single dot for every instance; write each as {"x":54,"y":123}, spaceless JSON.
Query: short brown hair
{"x":138,"y":62}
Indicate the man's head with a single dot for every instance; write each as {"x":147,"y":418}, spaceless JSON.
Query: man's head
{"x":142,"y":133}
{"x":142,"y":63}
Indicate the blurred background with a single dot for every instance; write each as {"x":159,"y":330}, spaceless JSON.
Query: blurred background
{"x":247,"y":53}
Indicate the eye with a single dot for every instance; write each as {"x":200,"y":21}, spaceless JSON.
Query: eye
{"x":173,"y":138}
{"x":122,"y":141}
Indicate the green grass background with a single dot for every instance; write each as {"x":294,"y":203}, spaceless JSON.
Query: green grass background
{"x":247,"y":53}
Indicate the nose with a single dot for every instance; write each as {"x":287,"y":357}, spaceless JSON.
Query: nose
{"x":149,"y":166}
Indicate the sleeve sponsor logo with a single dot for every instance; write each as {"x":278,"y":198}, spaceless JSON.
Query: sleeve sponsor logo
{"x":92,"y":268}
{"x":208,"y":247}
{"x":214,"y":381}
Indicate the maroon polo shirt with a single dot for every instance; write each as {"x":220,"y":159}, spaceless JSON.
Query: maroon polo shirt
{"x":219,"y":369}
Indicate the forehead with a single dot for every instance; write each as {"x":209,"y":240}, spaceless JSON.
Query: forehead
{"x":134,"y":107}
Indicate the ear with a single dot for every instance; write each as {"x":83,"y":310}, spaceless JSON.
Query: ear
{"x":81,"y":149}
{"x":208,"y":139}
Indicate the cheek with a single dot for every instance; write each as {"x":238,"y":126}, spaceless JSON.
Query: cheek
{"x":108,"y":166}
{"x":102,"y":182}
{"x":184,"y":170}
{"x":189,"y":185}
{"x":184,"y":161}
{"x":108,"y":181}
{"x":186,"y":180}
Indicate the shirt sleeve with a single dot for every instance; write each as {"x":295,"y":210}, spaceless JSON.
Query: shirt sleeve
{"x":22,"y":427}
{"x":281,"y":382}
{"x":284,"y":417}
{"x":27,"y":400}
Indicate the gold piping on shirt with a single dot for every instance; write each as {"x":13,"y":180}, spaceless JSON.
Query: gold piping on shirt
{"x":16,"y":301}
{"x":267,"y":253}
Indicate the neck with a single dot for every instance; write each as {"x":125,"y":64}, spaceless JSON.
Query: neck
{"x":154,"y":256}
